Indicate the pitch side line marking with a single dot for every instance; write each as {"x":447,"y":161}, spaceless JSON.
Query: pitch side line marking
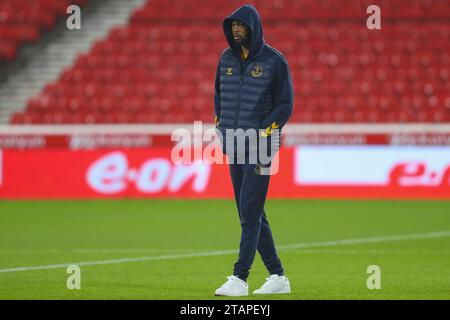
{"x":129,"y":250}
{"x":414,"y":236}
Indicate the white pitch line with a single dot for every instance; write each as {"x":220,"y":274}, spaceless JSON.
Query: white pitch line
{"x":415,"y":236}
{"x":124,"y":260}
{"x":129,"y":250}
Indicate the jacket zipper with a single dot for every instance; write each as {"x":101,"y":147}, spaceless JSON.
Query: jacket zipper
{"x":241,"y":81}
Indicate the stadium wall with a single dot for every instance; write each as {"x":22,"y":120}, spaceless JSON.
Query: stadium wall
{"x":134,"y":161}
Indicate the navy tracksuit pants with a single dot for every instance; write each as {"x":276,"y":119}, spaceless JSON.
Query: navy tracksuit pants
{"x":250,"y":190}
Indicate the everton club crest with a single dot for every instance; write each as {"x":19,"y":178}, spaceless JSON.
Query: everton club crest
{"x":257,"y":71}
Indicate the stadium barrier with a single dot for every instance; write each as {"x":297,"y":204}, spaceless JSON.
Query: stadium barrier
{"x":134,"y":161}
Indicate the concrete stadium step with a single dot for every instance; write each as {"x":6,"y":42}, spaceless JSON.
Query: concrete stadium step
{"x":60,"y":53}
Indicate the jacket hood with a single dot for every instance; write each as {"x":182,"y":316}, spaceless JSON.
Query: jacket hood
{"x":250,"y":17}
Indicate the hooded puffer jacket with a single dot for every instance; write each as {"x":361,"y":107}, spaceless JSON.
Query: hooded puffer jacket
{"x":254,"y":93}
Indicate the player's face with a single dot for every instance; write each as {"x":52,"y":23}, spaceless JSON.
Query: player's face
{"x":239,"y":31}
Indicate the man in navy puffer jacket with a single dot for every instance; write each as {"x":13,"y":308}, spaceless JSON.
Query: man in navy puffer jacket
{"x":253,"y":91}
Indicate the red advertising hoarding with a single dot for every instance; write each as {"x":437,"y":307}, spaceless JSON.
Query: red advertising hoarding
{"x":147,"y":140}
{"x":304,"y":172}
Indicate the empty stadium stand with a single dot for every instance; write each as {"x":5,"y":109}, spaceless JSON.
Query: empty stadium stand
{"x":160,"y":67}
{"x":23,"y":21}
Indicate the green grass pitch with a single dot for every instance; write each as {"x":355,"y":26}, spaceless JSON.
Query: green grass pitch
{"x":187,"y":248}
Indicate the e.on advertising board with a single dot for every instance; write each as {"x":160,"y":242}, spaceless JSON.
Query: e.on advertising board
{"x":304,"y":172}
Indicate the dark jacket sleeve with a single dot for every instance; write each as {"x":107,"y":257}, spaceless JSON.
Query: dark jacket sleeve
{"x":282,"y":97}
{"x":217,"y":96}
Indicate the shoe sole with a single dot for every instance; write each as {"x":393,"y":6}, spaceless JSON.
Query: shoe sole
{"x":279,"y":292}
{"x":228,"y":295}
{"x":271,"y":293}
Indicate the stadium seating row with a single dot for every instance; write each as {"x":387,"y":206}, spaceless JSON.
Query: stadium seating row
{"x":163,"y":71}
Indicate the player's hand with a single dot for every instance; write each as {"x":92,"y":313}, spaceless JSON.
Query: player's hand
{"x":269,"y":130}
{"x":216,"y":121}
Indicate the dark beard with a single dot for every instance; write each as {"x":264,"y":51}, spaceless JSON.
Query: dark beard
{"x":243,"y":42}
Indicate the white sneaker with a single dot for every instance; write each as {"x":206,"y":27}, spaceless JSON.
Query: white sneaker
{"x":274,"y":284}
{"x":234,"y":287}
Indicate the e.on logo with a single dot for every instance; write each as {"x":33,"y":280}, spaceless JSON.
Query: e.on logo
{"x":111,"y":174}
